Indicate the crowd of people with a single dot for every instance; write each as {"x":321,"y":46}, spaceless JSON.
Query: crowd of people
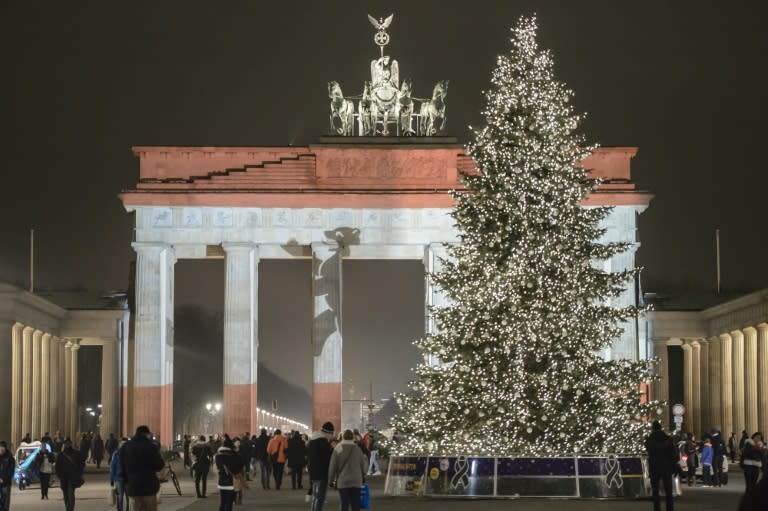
{"x":327,"y":458}
{"x":134,"y":463}
{"x":668,"y":458}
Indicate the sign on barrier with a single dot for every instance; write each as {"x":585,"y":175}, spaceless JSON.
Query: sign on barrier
{"x":607,"y":476}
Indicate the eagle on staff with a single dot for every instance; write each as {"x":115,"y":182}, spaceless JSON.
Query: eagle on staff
{"x":381,"y":38}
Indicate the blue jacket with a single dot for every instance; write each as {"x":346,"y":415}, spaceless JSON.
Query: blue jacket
{"x":114,"y":468}
{"x":707,"y":454}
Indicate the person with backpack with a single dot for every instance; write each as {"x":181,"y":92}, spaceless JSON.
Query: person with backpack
{"x":347,"y":471}
{"x":70,"y":464}
{"x":319,"y":453}
{"x":718,"y":451}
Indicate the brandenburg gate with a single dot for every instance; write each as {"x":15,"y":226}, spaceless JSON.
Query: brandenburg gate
{"x":377,"y":189}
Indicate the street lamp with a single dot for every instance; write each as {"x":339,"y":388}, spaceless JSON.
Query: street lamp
{"x":212,"y":409}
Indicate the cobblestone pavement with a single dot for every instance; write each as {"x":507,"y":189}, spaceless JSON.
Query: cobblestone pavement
{"x":93,"y":497}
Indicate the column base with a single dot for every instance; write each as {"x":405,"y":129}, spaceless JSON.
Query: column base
{"x":326,"y":405}
{"x":153,"y":407}
{"x":239,"y":408}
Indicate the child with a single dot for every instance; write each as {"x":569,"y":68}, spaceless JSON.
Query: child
{"x":706,"y":462}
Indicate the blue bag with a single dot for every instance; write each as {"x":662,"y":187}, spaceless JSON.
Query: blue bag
{"x":365,"y":497}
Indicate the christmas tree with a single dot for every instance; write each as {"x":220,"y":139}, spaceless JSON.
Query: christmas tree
{"x":519,"y":368}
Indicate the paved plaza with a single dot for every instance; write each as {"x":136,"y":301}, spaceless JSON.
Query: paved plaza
{"x":93,"y":497}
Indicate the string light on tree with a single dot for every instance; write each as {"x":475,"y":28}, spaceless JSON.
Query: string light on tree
{"x":530,"y":310}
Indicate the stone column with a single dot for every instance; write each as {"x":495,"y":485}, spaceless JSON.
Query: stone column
{"x":26,"y":382}
{"x":737,"y":353}
{"x":109,"y":384}
{"x":37,"y":337}
{"x":53,"y":388}
{"x":726,"y":384}
{"x":715,"y":387}
{"x":750,"y":380}
{"x":688,"y":386}
{"x":153,"y":360}
{"x":241,"y":341}
{"x":62,"y":386}
{"x":661,"y":385}
{"x":66,"y":404}
{"x":762,"y":377}
{"x":705,"y":421}
{"x":74,"y":416}
{"x":6,"y":382}
{"x":45,"y":384}
{"x":696,"y":388}
{"x":17,"y":384}
{"x":434,"y":256}
{"x":326,"y":334}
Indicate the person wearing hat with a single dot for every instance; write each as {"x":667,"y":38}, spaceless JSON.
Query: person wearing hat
{"x":69,"y":469}
{"x":7,"y":467}
{"x":140,"y":461}
{"x":319,"y":458}
{"x":662,"y":462}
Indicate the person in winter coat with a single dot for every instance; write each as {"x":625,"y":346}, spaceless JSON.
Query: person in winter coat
{"x":7,"y":467}
{"x":70,"y":464}
{"x":228,"y":463}
{"x":116,"y":478}
{"x":246,"y":451}
{"x":85,"y":446}
{"x":752,"y":460}
{"x":111,"y":445}
{"x":732,"y":443}
{"x":347,"y":468}
{"x":44,"y":462}
{"x":262,"y":460}
{"x":276,"y":451}
{"x":319,"y":453}
{"x":662,"y":460}
{"x":140,"y":461}
{"x":201,"y":465}
{"x":97,"y":450}
{"x":718,"y":451}
{"x":297,"y":456}
{"x":690,"y":462}
{"x":706,"y":462}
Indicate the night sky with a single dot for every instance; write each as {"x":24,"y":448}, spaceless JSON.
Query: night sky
{"x":84,"y":81}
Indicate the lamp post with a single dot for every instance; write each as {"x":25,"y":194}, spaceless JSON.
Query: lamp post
{"x":213,"y":409}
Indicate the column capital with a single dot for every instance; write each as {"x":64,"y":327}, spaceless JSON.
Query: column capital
{"x":234,"y":246}
{"x":750,"y":330}
{"x":149,"y":246}
{"x":47,"y":336}
{"x":762,"y":327}
{"x":737,"y":334}
{"x":28,"y":330}
{"x":726,"y":337}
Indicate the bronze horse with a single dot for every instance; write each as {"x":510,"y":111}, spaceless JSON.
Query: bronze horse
{"x":432,"y":113}
{"x":342,"y":111}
